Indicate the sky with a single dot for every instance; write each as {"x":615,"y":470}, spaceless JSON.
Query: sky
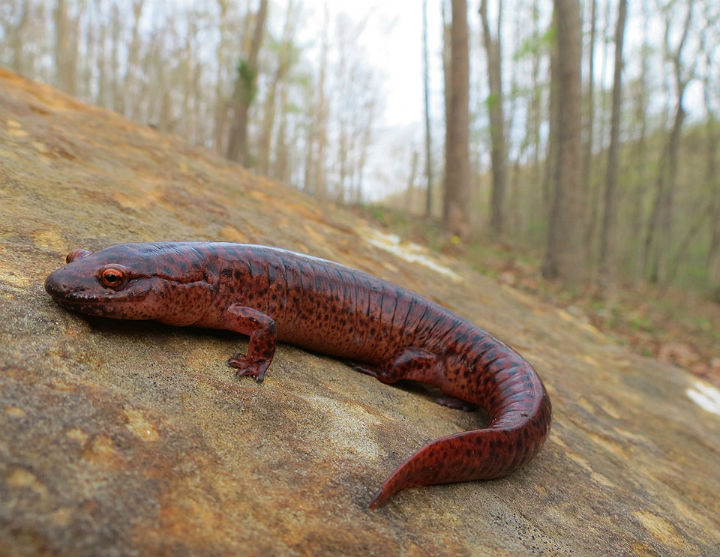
{"x":392,"y":42}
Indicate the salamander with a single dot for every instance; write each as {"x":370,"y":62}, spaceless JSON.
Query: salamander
{"x":386,"y":330}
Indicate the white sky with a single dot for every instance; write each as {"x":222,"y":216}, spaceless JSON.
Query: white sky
{"x":392,"y":39}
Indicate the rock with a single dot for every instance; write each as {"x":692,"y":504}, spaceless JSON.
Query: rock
{"x":136,"y":438}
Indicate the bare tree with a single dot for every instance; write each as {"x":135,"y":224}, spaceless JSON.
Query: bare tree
{"x":712,"y":176}
{"x":456,"y":209}
{"x":220,"y":57}
{"x":535,"y":115}
{"x":316,"y":139}
{"x":283,"y":64}
{"x":118,"y":101}
{"x":133,"y":62}
{"x":590,"y":115}
{"x":592,"y":188}
{"x":659,"y":233}
{"x":16,"y":35}
{"x":66,"y":44}
{"x":493,"y":53}
{"x":607,"y":246}
{"x":245,"y":90}
{"x":565,"y":257}
{"x":428,"y":121}
{"x":410,"y":190}
{"x":639,"y":150}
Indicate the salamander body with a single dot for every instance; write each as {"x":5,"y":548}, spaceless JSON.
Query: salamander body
{"x":392,"y":333}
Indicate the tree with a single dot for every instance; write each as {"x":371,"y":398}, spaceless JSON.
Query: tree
{"x":131,"y":77}
{"x":220,"y":101}
{"x":493,"y":53}
{"x":245,"y":90}
{"x":639,"y":151}
{"x":590,"y":115}
{"x":610,"y":215}
{"x":284,"y":60}
{"x":15,"y":36}
{"x":565,"y":257}
{"x":659,"y":233}
{"x":710,"y":86}
{"x":316,"y":137}
{"x":428,"y":121}
{"x":66,"y":48}
{"x":456,"y":208}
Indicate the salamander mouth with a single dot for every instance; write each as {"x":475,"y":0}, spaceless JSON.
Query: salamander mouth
{"x":85,"y":307}
{"x":89,"y":303}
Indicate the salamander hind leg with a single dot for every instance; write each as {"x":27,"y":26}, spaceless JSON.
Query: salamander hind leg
{"x":415,"y":364}
{"x":263,"y":337}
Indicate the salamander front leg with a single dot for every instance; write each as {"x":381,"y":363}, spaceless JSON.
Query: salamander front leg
{"x":263,"y":336}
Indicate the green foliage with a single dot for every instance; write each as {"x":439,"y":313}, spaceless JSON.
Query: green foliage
{"x":492,"y":101}
{"x":246,"y":76}
{"x":640,"y":322}
{"x":535,"y":44}
{"x":293,"y":108}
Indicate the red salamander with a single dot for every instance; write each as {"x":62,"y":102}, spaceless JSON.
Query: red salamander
{"x":392,"y":333}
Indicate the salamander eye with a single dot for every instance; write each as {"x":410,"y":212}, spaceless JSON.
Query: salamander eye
{"x":113,"y":277}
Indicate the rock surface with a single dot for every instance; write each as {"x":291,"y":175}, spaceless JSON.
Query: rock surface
{"x":135,"y":438}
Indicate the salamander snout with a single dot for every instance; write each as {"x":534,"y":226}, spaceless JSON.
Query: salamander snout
{"x":52,"y":286}
{"x":58,"y":285}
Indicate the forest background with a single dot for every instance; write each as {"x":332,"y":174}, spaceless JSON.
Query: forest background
{"x":569,"y":147}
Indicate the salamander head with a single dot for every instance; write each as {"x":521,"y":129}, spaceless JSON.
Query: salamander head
{"x":132,"y":281}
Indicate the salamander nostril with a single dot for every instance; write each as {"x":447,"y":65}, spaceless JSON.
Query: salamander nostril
{"x":50,"y":285}
{"x":55,"y":287}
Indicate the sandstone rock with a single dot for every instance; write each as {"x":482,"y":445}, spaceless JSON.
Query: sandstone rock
{"x":136,"y":439}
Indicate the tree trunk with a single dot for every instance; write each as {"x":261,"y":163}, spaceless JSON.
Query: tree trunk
{"x":498,"y":153}
{"x":133,"y":63}
{"x":118,"y":104}
{"x":446,"y":87}
{"x":713,"y":259}
{"x":607,"y":239}
{"x":456,"y":213}
{"x":713,"y":180}
{"x":281,"y":168}
{"x":428,"y":121}
{"x":590,"y":118}
{"x":543,"y":203}
{"x":566,"y":256}
{"x":551,"y":154}
{"x":221,"y":107}
{"x":410,"y":191}
{"x":270,"y":101}
{"x":66,"y":41}
{"x":314,"y":181}
{"x":634,"y":250}
{"x":659,"y":236}
{"x":593,"y":190}
{"x":245,"y":89}
{"x":16,"y":38}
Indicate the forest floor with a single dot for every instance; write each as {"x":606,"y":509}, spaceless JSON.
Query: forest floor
{"x":675,"y":326}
